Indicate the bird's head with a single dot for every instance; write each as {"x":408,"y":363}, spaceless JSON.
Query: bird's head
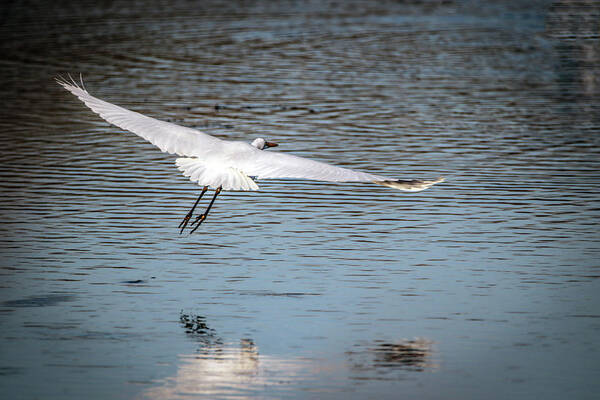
{"x":262,"y":144}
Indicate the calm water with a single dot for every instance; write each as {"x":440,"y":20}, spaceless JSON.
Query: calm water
{"x":485,"y":286}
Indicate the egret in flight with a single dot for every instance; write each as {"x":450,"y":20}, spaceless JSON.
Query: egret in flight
{"x":223,"y":164}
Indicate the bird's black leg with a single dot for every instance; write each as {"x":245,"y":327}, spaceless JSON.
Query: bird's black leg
{"x":185,"y":220}
{"x":200,"y":218}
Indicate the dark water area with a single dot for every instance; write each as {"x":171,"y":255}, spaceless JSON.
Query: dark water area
{"x":484,"y":286}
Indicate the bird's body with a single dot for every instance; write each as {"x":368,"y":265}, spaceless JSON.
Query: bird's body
{"x":223,"y":164}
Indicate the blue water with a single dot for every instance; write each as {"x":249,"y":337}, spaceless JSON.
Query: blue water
{"x":484,"y":286}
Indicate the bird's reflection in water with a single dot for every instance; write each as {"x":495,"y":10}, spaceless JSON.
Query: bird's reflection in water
{"x":221,"y":369}
{"x":197,"y":328}
{"x":237,"y":359}
{"x":385,"y":360}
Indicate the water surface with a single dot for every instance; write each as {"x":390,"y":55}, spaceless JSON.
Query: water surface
{"x":483,"y":286}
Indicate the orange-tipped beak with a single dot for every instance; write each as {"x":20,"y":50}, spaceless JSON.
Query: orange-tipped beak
{"x":271,"y":144}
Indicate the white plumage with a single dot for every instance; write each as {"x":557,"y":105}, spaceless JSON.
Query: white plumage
{"x":224,"y":164}
{"x":228,"y":178}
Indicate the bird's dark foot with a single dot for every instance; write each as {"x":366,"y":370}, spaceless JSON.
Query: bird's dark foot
{"x":198,"y":221}
{"x":185,"y":221}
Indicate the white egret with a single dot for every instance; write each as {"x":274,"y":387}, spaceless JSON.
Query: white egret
{"x":226,"y":165}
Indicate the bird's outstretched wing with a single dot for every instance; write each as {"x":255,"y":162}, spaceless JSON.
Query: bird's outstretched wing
{"x":218,"y":163}
{"x":168,"y":137}
{"x":274,"y":165}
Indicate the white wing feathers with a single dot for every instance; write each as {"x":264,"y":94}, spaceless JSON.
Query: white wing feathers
{"x":168,"y":137}
{"x":213,"y":162}
{"x":273,"y":165}
{"x":228,"y":178}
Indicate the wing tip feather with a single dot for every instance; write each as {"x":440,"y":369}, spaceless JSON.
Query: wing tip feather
{"x":411,"y":185}
{"x":70,"y":84}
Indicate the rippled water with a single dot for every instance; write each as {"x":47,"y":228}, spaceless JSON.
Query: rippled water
{"x":485,"y":286}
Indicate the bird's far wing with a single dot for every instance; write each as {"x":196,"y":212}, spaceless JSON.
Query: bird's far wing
{"x":168,"y":137}
{"x":273,"y":165}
